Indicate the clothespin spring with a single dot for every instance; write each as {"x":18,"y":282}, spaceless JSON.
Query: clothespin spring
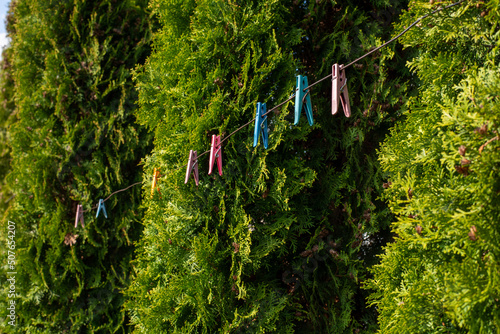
{"x":216,"y":153}
{"x":193,"y":166}
{"x":262,"y":123}
{"x":345,"y":83}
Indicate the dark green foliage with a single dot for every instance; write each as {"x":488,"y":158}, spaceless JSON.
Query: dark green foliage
{"x":73,"y":141}
{"x":280,"y":243}
{"x":441,"y":273}
{"x":6,"y":195}
{"x":6,"y":110}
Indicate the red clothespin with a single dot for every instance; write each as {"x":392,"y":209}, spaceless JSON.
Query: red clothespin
{"x":79,"y":215}
{"x":192,"y":167}
{"x":156,"y":175}
{"x":215,"y":153}
{"x":339,"y":90}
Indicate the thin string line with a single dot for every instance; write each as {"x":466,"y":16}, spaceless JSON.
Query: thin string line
{"x":121,"y":190}
{"x":279,"y":105}
{"x":317,"y":82}
{"x":239,"y":129}
{"x":330,"y":75}
{"x":104,"y":200}
{"x":307,"y":88}
{"x":387,"y":43}
{"x":403,"y":32}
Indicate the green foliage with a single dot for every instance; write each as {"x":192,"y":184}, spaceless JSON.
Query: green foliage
{"x":6,"y":110}
{"x":280,"y":242}
{"x":441,"y":273}
{"x":73,"y":141}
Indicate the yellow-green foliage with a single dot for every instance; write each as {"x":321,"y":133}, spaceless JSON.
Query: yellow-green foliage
{"x":6,"y":110}
{"x":275,"y":245}
{"x":441,"y":274}
{"x":73,"y":140}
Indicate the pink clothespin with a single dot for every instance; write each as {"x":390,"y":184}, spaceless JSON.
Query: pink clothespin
{"x":79,"y":215}
{"x":339,"y":90}
{"x":192,"y":167}
{"x":215,"y":153}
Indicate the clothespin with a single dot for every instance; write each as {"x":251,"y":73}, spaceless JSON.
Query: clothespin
{"x":260,"y":125}
{"x":215,"y":153}
{"x":300,"y":95}
{"x":339,"y":83}
{"x":79,"y":215}
{"x":192,"y":167}
{"x":101,"y":206}
{"x":156,"y":175}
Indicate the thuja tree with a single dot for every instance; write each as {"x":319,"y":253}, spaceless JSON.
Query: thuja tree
{"x":441,"y":273}
{"x":74,"y":140}
{"x":6,"y":109}
{"x":279,"y":242}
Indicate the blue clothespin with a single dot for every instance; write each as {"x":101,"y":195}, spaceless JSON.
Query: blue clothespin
{"x":260,"y":125}
{"x":79,"y":215}
{"x":101,"y":206}
{"x":299,"y":99}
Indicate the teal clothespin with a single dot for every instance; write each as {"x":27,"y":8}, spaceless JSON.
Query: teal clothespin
{"x":299,"y":99}
{"x":101,"y":206}
{"x":260,"y":125}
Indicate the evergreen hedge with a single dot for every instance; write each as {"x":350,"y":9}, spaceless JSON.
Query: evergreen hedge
{"x":441,"y":273}
{"x":281,"y":241}
{"x":74,"y":140}
{"x":6,"y":109}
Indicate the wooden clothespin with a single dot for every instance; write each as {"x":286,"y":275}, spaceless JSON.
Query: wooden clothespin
{"x":79,"y":216}
{"x":339,"y":90}
{"x":101,"y":206}
{"x":215,"y":154}
{"x":300,"y":95}
{"x":192,"y":167}
{"x":156,"y":175}
{"x":260,"y":125}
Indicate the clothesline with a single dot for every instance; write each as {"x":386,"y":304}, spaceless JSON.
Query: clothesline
{"x":306,"y":90}
{"x":330,"y":75}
